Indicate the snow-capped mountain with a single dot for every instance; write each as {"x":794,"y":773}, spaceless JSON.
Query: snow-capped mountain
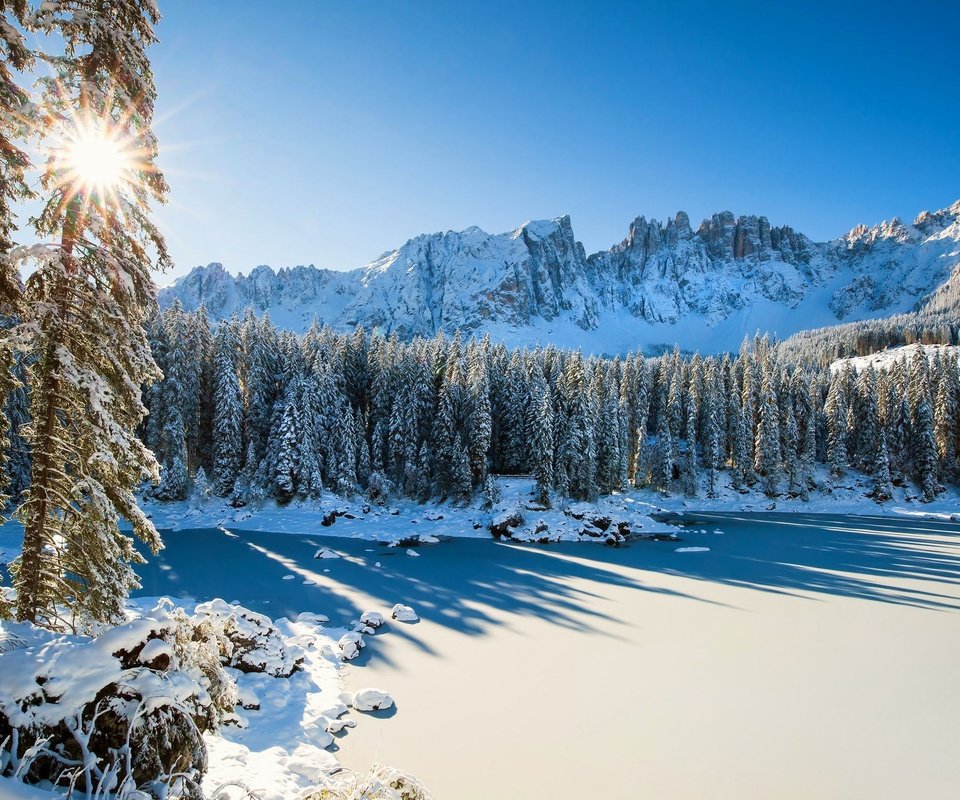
{"x":664,"y":284}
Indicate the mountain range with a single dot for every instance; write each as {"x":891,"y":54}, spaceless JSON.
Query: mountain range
{"x":666,"y":283}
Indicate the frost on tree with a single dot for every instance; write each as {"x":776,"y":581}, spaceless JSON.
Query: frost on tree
{"x":86,"y":303}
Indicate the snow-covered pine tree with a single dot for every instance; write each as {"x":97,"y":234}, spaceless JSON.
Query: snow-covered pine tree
{"x":227,"y":399}
{"x":424,"y":486}
{"x":867,"y":419}
{"x":202,"y":338}
{"x":806,"y":417}
{"x":516,"y":409}
{"x":767,"y":449}
{"x":479,"y":422}
{"x":15,"y":450}
{"x":15,"y":57}
{"x":540,"y":438}
{"x":923,"y":446}
{"x":836,"y":414}
{"x":201,"y":489}
{"x":461,"y":480}
{"x":578,"y":451}
{"x":286,"y":446}
{"x":690,"y":463}
{"x":174,"y":478}
{"x":945,"y":418}
{"x":156,"y":394}
{"x":259,"y":381}
{"x":361,"y":448}
{"x":87,"y":301}
{"x":662,"y":457}
{"x":712,"y":427}
{"x":882,"y":485}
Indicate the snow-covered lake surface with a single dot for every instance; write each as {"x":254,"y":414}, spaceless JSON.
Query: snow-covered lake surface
{"x":798,"y":656}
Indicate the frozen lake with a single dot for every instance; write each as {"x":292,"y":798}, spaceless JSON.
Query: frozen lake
{"x":800,"y":656}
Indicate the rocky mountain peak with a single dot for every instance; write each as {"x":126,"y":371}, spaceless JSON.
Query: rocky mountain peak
{"x":664,"y":283}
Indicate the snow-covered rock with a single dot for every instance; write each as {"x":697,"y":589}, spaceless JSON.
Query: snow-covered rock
{"x":372,"y":700}
{"x":403,"y":613}
{"x":350,"y":644}
{"x":373,"y":619}
{"x":666,"y":282}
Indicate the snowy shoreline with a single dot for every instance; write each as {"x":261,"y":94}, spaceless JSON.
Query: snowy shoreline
{"x":404,"y":519}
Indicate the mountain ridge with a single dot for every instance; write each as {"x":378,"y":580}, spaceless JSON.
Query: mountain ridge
{"x":664,"y":283}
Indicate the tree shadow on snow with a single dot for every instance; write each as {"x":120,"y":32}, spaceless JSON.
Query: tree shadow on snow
{"x":471,"y":584}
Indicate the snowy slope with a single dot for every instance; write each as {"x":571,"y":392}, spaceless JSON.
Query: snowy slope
{"x":885,"y":359}
{"x":664,"y":284}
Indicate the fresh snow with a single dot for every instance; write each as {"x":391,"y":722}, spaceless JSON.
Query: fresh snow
{"x":282,"y":742}
{"x":665,"y":284}
{"x":885,"y":359}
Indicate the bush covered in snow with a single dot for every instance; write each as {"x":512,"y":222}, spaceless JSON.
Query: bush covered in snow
{"x":380,"y":783}
{"x":248,"y":641}
{"x":121,"y":711}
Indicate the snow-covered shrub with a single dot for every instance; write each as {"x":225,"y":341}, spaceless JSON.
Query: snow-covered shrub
{"x":248,"y":641}
{"x":201,"y":490}
{"x":121,"y":711}
{"x":380,"y":783}
{"x":379,"y":488}
{"x":491,"y":493}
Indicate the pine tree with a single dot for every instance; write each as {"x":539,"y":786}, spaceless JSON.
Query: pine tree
{"x":480,"y":423}
{"x":227,"y":441}
{"x":945,"y":419}
{"x":461,"y":480}
{"x":578,"y":452}
{"x":836,"y":413}
{"x":201,"y":489}
{"x":690,"y":467}
{"x":88,"y":299}
{"x":15,"y":56}
{"x":174,"y":478}
{"x":287,"y":447}
{"x":712,"y":427}
{"x":882,"y":486}
{"x":515,"y":411}
{"x":541,"y":446}
{"x":923,"y":447}
{"x":767,"y":450}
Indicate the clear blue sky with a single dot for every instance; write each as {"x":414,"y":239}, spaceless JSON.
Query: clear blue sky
{"x":329,"y":131}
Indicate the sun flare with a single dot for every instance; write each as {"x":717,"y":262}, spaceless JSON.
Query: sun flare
{"x":93,"y":161}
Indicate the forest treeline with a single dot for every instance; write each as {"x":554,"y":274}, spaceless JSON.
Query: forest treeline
{"x":253,"y":412}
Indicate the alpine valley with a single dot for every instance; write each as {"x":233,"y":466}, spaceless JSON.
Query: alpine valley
{"x":664,"y":284}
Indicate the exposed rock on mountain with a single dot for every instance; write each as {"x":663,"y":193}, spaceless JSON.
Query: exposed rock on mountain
{"x":663,"y":284}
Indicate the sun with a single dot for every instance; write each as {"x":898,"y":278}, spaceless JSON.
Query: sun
{"x":93,"y":160}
